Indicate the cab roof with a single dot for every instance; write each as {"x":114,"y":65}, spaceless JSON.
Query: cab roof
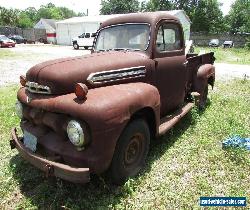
{"x":148,"y":17}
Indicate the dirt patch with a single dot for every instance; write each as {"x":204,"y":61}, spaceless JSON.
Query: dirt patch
{"x":226,"y":71}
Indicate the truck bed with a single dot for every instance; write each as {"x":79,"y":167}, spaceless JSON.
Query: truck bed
{"x":195,"y":60}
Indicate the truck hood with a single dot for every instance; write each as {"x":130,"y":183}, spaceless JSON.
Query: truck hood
{"x":97,"y":69}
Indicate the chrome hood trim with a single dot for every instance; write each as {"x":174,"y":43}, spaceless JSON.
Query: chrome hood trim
{"x":116,"y":75}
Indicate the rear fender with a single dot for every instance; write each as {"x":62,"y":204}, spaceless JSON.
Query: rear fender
{"x":205,"y":75}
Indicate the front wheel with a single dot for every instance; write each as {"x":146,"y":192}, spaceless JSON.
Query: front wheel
{"x":76,"y":46}
{"x":131,"y":151}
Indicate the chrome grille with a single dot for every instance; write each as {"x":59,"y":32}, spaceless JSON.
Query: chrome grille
{"x":34,"y":87}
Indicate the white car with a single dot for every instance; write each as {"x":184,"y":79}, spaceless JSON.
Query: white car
{"x":85,"y":40}
{"x":228,"y":44}
{"x":214,"y":43}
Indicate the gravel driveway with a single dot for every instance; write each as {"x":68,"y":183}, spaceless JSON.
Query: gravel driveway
{"x":25,"y":56}
{"x":226,"y":71}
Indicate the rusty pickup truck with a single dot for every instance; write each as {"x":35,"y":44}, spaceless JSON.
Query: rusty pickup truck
{"x":98,"y":113}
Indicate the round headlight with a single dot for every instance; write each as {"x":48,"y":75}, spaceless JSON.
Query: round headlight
{"x":19,"y":109}
{"x":75,"y":133}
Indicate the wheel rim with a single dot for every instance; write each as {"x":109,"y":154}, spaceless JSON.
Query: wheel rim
{"x":75,"y":46}
{"x":133,"y":150}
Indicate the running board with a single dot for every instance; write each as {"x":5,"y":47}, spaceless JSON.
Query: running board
{"x":170,"y":120}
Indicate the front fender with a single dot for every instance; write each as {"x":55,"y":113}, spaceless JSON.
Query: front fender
{"x":106,"y":110}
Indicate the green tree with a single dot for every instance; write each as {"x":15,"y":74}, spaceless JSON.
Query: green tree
{"x":207,"y":17}
{"x":31,"y":12}
{"x":80,"y":14}
{"x":49,"y":11}
{"x":24,"y":21}
{"x":66,"y":13}
{"x":238,"y":18}
{"x":30,"y":16}
{"x":158,"y":5}
{"x":118,"y":7}
{"x":8,"y":17}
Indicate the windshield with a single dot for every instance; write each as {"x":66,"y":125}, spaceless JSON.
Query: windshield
{"x":17,"y":37}
{"x":4,"y":38}
{"x":123,"y":37}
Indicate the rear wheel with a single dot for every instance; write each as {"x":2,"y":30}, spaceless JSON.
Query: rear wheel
{"x":76,"y":46}
{"x":131,"y":151}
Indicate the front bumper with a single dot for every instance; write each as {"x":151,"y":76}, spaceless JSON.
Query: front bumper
{"x":8,"y":44}
{"x":51,"y":168}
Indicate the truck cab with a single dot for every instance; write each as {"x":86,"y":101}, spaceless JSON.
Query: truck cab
{"x":98,"y":113}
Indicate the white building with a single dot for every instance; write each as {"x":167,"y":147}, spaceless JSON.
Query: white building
{"x":50,"y":26}
{"x":68,"y":29}
{"x":184,"y":19}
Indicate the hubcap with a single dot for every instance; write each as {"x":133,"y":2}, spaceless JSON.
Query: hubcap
{"x":133,"y":150}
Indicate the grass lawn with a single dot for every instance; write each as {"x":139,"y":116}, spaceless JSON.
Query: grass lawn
{"x":228,"y":55}
{"x":11,"y":54}
{"x":6,"y":53}
{"x":188,"y":162}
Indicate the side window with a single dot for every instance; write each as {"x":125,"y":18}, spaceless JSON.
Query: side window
{"x":168,"y":38}
{"x":82,"y":36}
{"x":87,"y":35}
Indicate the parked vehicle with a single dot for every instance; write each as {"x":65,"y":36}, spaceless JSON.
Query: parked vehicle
{"x":85,"y":40}
{"x":18,"y":39}
{"x":214,"y":43}
{"x":228,"y":44}
{"x":6,"y":42}
{"x":99,"y":112}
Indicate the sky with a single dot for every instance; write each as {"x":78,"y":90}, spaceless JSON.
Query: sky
{"x":93,"y":6}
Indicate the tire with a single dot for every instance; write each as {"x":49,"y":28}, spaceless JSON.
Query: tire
{"x":86,"y":47}
{"x":131,"y":152}
{"x":76,"y":46}
{"x":203,"y":98}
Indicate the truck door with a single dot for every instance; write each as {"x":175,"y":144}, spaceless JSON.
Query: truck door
{"x":80,"y":40}
{"x":169,"y":56}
